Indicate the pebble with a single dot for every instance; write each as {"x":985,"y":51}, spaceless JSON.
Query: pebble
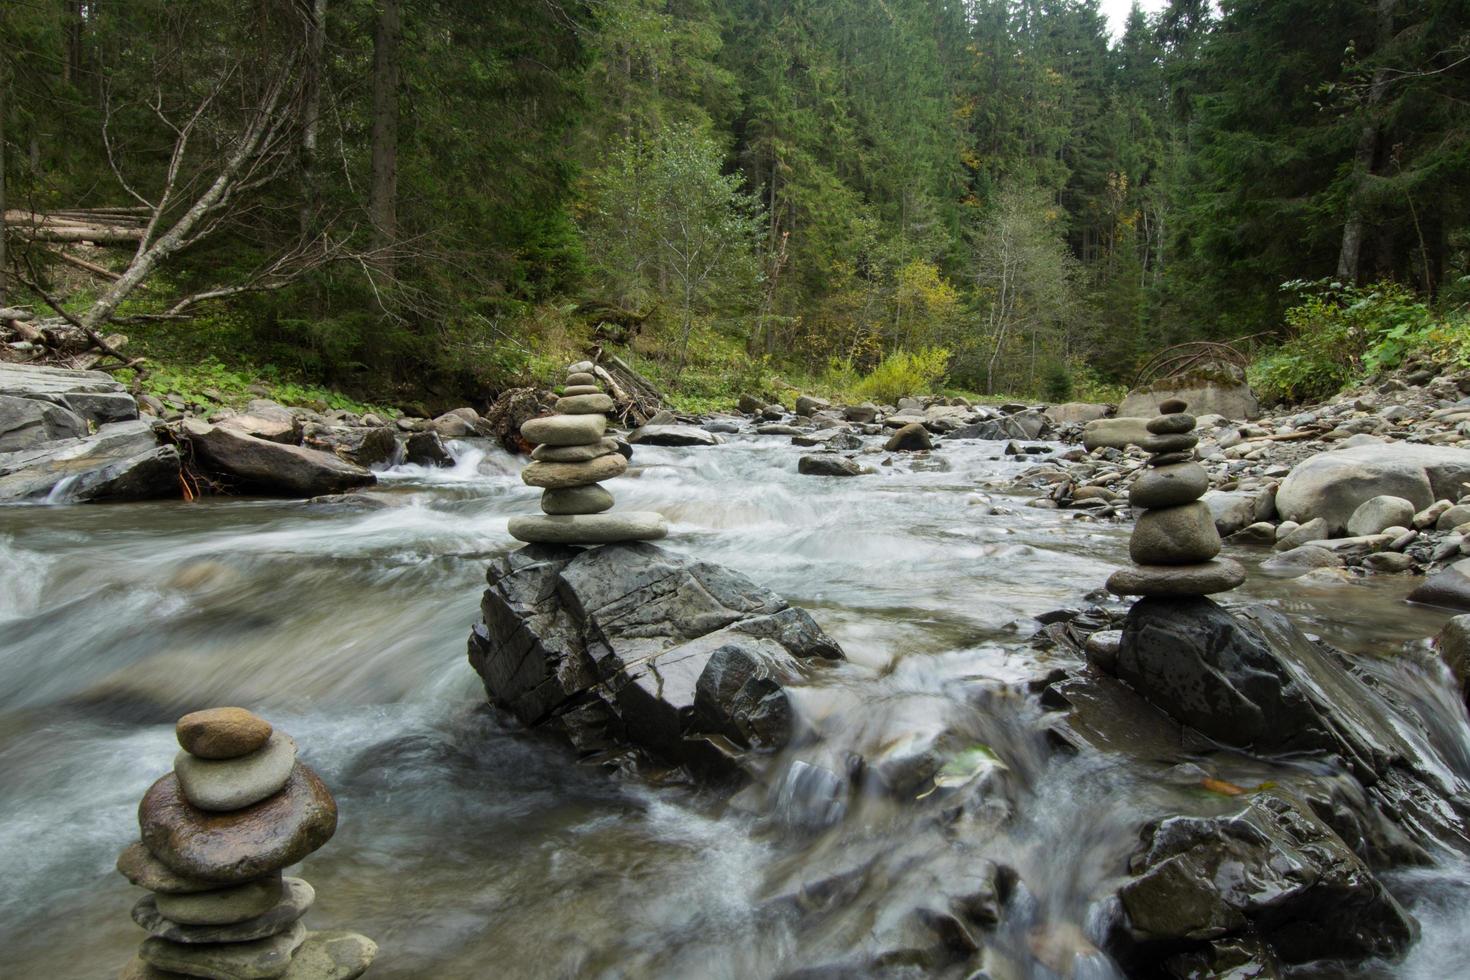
{"x":222,"y":906}
{"x":233,"y":784}
{"x":222,"y":733}
{"x":296,"y":898}
{"x":259,"y":959}
{"x":1175,"y":536}
{"x":229,"y":848}
{"x":557,"y":476}
{"x":564,"y":430}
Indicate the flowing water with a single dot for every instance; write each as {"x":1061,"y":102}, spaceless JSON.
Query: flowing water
{"x":470,"y":849}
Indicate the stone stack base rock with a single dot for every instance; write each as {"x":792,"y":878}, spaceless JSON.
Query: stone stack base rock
{"x":216,"y":833}
{"x":1175,"y":547}
{"x":571,"y":459}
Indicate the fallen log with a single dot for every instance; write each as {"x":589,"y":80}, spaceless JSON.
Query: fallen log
{"x":84,"y":265}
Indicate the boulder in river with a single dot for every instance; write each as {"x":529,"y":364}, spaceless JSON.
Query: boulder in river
{"x":1333,"y":485}
{"x":360,"y":444}
{"x":260,"y":466}
{"x":673,"y":435}
{"x":26,"y":423}
{"x":911,"y":438}
{"x":629,"y":645}
{"x":122,"y":461}
{"x":1449,"y":587}
{"x":829,"y":464}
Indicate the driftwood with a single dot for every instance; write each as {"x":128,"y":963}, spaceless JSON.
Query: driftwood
{"x":635,"y":397}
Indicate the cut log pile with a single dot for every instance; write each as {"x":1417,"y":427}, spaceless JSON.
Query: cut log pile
{"x":101,"y":226}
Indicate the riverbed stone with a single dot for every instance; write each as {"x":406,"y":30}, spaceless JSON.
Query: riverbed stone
{"x":137,"y":864}
{"x":222,"y":733}
{"x":1170,"y":459}
{"x":829,"y":464}
{"x":1453,"y":518}
{"x":1378,"y":514}
{"x":232,"y":784}
{"x":261,"y":466}
{"x":259,"y":959}
{"x":591,"y":499}
{"x":608,"y":528}
{"x":229,"y":848}
{"x":426,"y":449}
{"x":1332,"y":485}
{"x":1314,"y":530}
{"x":295,"y":898}
{"x":1168,"y":444}
{"x":910,"y":438}
{"x":1182,"y":535}
{"x":575,"y":454}
{"x":121,"y":461}
{"x":332,"y":955}
{"x":556,"y":476}
{"x":572,"y":391}
{"x":564,"y":430}
{"x":585,"y":404}
{"x":1205,"y":578}
{"x":1449,"y":587}
{"x":1169,"y":486}
{"x":673,"y":435}
{"x":26,"y":423}
{"x":576,"y":378}
{"x":1115,"y":433}
{"x":222,"y":906}
{"x":1169,"y":425}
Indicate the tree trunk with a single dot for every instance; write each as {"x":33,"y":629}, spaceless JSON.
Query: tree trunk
{"x":4,"y":86}
{"x":1349,"y":257}
{"x":311,"y":110}
{"x":383,"y":192}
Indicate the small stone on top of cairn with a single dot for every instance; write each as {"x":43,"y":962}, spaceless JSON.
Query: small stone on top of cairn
{"x":216,"y":833}
{"x":572,"y":458}
{"x":1175,"y":547}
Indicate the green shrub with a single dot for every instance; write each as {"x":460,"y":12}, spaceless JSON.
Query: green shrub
{"x":901,"y":374}
{"x":1056,"y":382}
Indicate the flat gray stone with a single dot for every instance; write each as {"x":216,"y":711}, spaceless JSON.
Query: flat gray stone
{"x":1169,"y":486}
{"x":1314,"y":530}
{"x":1175,"y":536}
{"x":591,"y":499}
{"x":572,"y":391}
{"x":556,"y":476}
{"x":1206,"y":578}
{"x":26,"y":423}
{"x":589,"y":528}
{"x":1166,"y":444}
{"x":581,"y":378}
{"x":597,"y":404}
{"x":673,"y":435}
{"x":1298,"y":561}
{"x":121,"y":461}
{"x":564,"y":430}
{"x":581,"y":367}
{"x":575,"y":454}
{"x":259,"y":959}
{"x":1448,"y":587}
{"x":261,"y":466}
{"x":221,"y":785}
{"x":294,"y":900}
{"x":222,"y":906}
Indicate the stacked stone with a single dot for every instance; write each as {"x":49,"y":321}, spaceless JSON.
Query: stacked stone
{"x":1175,"y":546}
{"x":216,"y":833}
{"x":573,"y":455}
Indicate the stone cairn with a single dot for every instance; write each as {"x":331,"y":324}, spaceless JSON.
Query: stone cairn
{"x":573,"y":455}
{"x":1175,"y":546}
{"x":216,"y":833}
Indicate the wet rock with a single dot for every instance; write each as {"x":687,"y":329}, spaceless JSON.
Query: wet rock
{"x":122,"y":461}
{"x":1023,"y":426}
{"x":576,"y":454}
{"x":632,"y":645}
{"x":26,"y":423}
{"x":1169,"y":486}
{"x":229,"y":848}
{"x":591,"y":499}
{"x":354,"y":443}
{"x":268,"y":467}
{"x":222,"y":733}
{"x":557,"y":476}
{"x":624,"y":525}
{"x":1261,"y":534}
{"x":222,"y":906}
{"x":809,"y":405}
{"x":1271,"y":869}
{"x":260,"y":959}
{"x":862,"y":414}
{"x":1453,"y":645}
{"x":673,"y":435}
{"x":1183,"y":535}
{"x":911,"y":438}
{"x":426,"y":449}
{"x":1204,"y":578}
{"x":293,"y":900}
{"x":332,"y":956}
{"x":137,"y":864}
{"x":1448,"y":587}
{"x":1314,"y":530}
{"x":1300,"y":560}
{"x":232,"y":784}
{"x":1333,"y":485}
{"x":1378,"y":514}
{"x":1388,"y":562}
{"x":1451,"y":518}
{"x":829,"y":464}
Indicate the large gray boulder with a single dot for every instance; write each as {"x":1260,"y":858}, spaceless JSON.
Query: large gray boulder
{"x":1332,"y":485}
{"x":1449,"y":587}
{"x":673,"y":435}
{"x":631,"y":646}
{"x":260,"y":466}
{"x":1024,"y":426}
{"x":94,"y":395}
{"x":1205,"y":396}
{"x":1070,"y":413}
{"x":26,"y":423}
{"x":265,"y":419}
{"x":363,"y":445}
{"x":122,"y":461}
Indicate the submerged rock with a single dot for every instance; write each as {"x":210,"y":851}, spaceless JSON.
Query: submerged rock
{"x":630,"y":645}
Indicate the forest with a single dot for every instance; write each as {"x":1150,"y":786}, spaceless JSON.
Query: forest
{"x":424,"y":201}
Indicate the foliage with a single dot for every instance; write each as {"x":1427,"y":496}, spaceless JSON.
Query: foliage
{"x":902,"y":374}
{"x":1339,"y":334}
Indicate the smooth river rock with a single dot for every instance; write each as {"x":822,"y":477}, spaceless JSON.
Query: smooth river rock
{"x":1449,"y":587}
{"x":1177,"y":423}
{"x":1183,"y":535}
{"x":1206,"y":578}
{"x":233,"y":784}
{"x":829,"y":464}
{"x":556,"y":476}
{"x":261,"y":466}
{"x":673,"y":435}
{"x":1332,"y":485}
{"x":564,"y":430}
{"x":137,"y":864}
{"x":1169,"y":486}
{"x":332,"y":955}
{"x":1116,"y":433}
{"x":575,"y":454}
{"x":1378,"y":514}
{"x":584,"y":404}
{"x":571,"y":391}
{"x":222,"y":906}
{"x":222,"y":733}
{"x":259,"y":959}
{"x":229,"y":848}
{"x":591,"y":499}
{"x":581,"y":378}
{"x":589,"y":528}
{"x":1181,"y":442}
{"x":296,"y":897}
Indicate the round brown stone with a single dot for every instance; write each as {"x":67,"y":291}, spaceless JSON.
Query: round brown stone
{"x":137,"y":864}
{"x":1173,"y":406}
{"x":233,"y":847}
{"x":581,"y":378}
{"x":222,"y":733}
{"x":1183,"y":535}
